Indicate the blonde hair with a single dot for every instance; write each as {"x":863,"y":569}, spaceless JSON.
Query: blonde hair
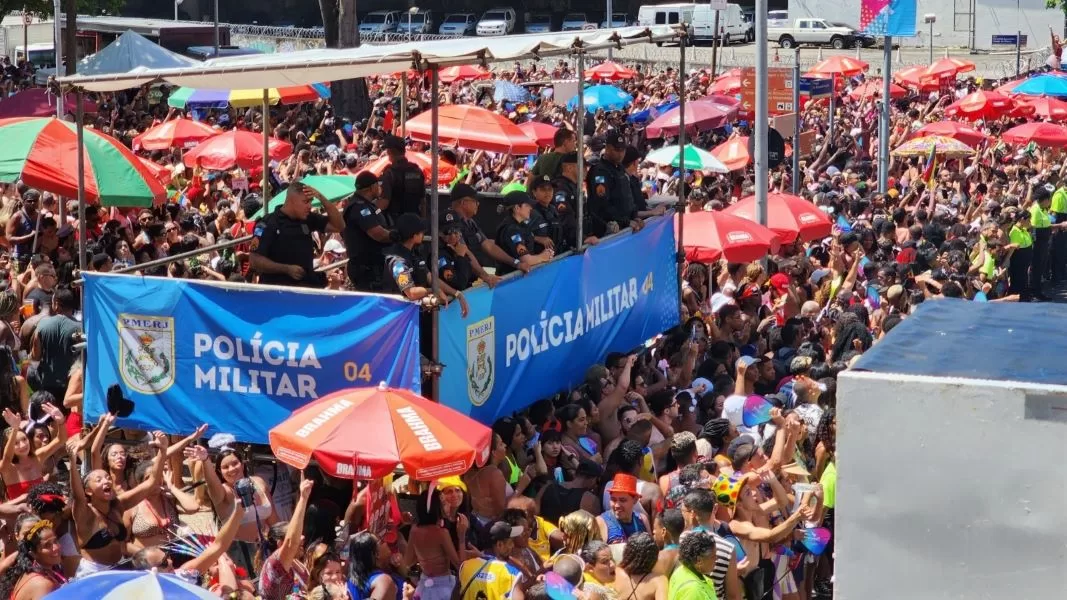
{"x":579,"y":527}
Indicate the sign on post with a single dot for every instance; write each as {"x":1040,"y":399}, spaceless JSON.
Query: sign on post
{"x":1009,"y":40}
{"x":779,"y":90}
{"x":816,"y":87}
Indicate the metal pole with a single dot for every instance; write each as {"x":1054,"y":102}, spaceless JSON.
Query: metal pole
{"x":1018,"y":51}
{"x":404,"y":102}
{"x":435,"y":242}
{"x":795,"y":179}
{"x":216,"y":28}
{"x":80,"y":113}
{"x":581,"y":149}
{"x":931,"y":42}
{"x":681,"y":147}
{"x":26,"y":35}
{"x":760,"y":130}
{"x":833,"y":102}
{"x":266,"y":143}
{"x":175,"y":9}
{"x":611,"y":24}
{"x":883,"y":131}
{"x":715,"y":46}
{"x":58,"y":46}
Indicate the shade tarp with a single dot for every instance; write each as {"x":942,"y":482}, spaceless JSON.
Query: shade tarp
{"x":131,"y":51}
{"x":306,"y":67}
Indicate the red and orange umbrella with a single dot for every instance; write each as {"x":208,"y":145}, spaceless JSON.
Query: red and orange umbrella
{"x":1042,"y":107}
{"x":235,"y":148}
{"x":462,"y":73}
{"x":980,"y":105}
{"x":542,"y":133}
{"x":873,"y":88}
{"x":364,"y":433}
{"x":733,"y":153}
{"x":610,"y":71}
{"x":728,"y":85}
{"x":839,"y":65}
{"x":176,"y":133}
{"x":1043,"y":134}
{"x":788,"y":216}
{"x":446,"y":171}
{"x":474,"y":128}
{"x":921,"y":78}
{"x":955,"y":130}
{"x":957,"y":65}
{"x":711,"y":235}
{"x":162,"y":174}
{"x":1009,"y":88}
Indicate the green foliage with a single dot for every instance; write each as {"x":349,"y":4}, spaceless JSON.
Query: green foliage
{"x":44,"y":7}
{"x":1060,"y":4}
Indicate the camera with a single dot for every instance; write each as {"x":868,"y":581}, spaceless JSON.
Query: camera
{"x":246,"y":491}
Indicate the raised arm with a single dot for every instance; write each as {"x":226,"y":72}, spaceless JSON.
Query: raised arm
{"x":131,"y":498}
{"x":222,"y":542}
{"x":291,"y":544}
{"x":216,"y":491}
{"x":59,"y":433}
{"x":13,"y":422}
{"x":96,"y":458}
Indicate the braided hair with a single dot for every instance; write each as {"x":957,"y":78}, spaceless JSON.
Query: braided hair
{"x":25,"y":563}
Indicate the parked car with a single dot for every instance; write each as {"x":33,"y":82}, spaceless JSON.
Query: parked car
{"x":862,"y":40}
{"x":459,"y":24}
{"x":576,"y":22}
{"x":415,"y":23}
{"x":617,"y":20}
{"x":776,"y":18}
{"x":497,"y":21}
{"x":539,"y":23}
{"x":818,"y":32}
{"x":379,"y":21}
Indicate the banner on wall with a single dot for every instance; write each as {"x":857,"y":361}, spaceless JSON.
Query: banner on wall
{"x":240,"y":358}
{"x":888,"y":17}
{"x":535,"y":335}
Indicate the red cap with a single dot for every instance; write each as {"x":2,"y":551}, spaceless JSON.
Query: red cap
{"x":780,"y":282}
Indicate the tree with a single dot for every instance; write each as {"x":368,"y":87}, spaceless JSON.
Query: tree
{"x":350,"y":97}
{"x":71,"y":8}
{"x":1062,"y":5}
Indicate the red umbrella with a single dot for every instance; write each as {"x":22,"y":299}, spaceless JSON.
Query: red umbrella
{"x":919,"y":77}
{"x":446,"y":171}
{"x":474,"y":128}
{"x":873,"y":88}
{"x":728,"y":85}
{"x":957,"y":65}
{"x":839,"y":65}
{"x":1043,"y":134}
{"x":176,"y":133}
{"x":39,"y":102}
{"x":710,"y":235}
{"x":542,"y":133}
{"x":733,"y":153}
{"x":721,"y":99}
{"x":700,"y":115}
{"x":788,"y":216}
{"x":235,"y":148}
{"x":462,"y":73}
{"x":980,"y":105}
{"x":162,"y":174}
{"x":953,"y":129}
{"x":1009,"y":88}
{"x":610,"y":71}
{"x":365,"y":433}
{"x":1042,"y":107}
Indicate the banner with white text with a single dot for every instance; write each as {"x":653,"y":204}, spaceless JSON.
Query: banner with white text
{"x":240,"y":357}
{"x":536,"y":335}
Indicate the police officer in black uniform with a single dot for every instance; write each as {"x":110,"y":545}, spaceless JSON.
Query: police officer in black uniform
{"x":609,"y":191}
{"x":465,"y":202}
{"x":544,"y":220}
{"x":403,"y":183}
{"x":406,"y":270}
{"x":566,"y":203}
{"x":283,"y":249}
{"x":514,"y":236}
{"x":454,"y":268}
{"x":366,"y":234}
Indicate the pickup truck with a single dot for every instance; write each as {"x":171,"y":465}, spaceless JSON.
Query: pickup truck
{"x":818,"y":32}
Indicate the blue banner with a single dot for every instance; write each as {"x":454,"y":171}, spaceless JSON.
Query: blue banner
{"x":816,"y":88}
{"x":888,"y":17}
{"x":536,"y":335}
{"x":240,"y":357}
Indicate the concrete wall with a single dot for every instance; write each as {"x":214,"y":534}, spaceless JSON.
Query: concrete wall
{"x":950,"y":489}
{"x":953,"y":29}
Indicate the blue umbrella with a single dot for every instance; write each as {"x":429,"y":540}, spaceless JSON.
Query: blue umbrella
{"x":143,"y":585}
{"x":651,"y":113}
{"x":602,"y":97}
{"x":507,"y":91}
{"x":1047,"y":85}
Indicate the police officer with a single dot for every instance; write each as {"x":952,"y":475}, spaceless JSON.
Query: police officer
{"x":1022,"y":246}
{"x":465,"y":201}
{"x":366,"y":234}
{"x":1041,"y":225}
{"x":407,"y":271}
{"x":609,"y":191}
{"x":629,"y":164}
{"x":514,"y":235}
{"x":566,"y":203}
{"x":403,"y":183}
{"x":283,"y":250}
{"x":1058,"y":213}
{"x":544,"y":220}
{"x":454,"y":266}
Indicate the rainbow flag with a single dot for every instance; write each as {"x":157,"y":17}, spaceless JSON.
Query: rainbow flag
{"x":930,"y":170}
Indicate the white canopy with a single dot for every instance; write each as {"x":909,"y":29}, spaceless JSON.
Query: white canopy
{"x":313,"y":66}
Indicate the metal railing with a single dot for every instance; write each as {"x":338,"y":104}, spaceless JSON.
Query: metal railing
{"x":271,"y":39}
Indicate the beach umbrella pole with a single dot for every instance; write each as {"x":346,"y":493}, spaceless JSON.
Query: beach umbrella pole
{"x":795,"y":179}
{"x":681,"y":149}
{"x":581,"y":149}
{"x":435,"y":243}
{"x":266,"y":145}
{"x":760,"y":129}
{"x":883,"y":132}
{"x":80,"y":113}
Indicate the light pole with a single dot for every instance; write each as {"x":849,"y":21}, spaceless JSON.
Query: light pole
{"x":930,"y":19}
{"x":217,"y":34}
{"x":58,"y":47}
{"x":610,"y":23}
{"x":411,"y":13}
{"x":176,"y":4}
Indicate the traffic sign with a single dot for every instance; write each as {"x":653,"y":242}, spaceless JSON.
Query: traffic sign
{"x":779,"y":90}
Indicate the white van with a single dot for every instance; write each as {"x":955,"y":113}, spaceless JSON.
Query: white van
{"x":732,"y":24}
{"x":667,"y":14}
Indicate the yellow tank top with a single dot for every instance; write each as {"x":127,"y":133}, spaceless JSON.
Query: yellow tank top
{"x":492,"y":581}
{"x":540,"y":543}
{"x":647,"y":471}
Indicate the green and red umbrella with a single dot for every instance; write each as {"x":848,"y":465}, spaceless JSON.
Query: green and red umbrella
{"x":43,"y":153}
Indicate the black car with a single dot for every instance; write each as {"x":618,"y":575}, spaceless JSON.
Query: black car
{"x":863,"y":40}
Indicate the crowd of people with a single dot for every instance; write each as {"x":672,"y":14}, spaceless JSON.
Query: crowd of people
{"x":645,"y":482}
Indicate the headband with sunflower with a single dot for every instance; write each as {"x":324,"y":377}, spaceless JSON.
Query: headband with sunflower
{"x":36,"y":528}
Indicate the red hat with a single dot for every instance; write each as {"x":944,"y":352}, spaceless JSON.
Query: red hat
{"x":624,"y":485}
{"x":780,"y":282}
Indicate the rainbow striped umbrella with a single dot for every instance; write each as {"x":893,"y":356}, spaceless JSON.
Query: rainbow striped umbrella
{"x":43,"y":153}
{"x":185,"y":97}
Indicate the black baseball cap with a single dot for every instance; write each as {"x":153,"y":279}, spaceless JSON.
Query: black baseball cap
{"x":462,"y":190}
{"x":408,"y":224}
{"x":365,"y":179}
{"x":392,"y":142}
{"x":501,"y":532}
{"x":632,"y":154}
{"x":450,"y":221}
{"x":615,"y":139}
{"x":541,"y":181}
{"x":516,"y":197}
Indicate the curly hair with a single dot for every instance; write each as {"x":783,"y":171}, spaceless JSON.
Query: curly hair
{"x":25,"y":562}
{"x":46,"y":497}
{"x":640,"y":555}
{"x":693,"y":546}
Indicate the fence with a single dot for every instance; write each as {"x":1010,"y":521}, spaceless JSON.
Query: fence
{"x":271,"y":39}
